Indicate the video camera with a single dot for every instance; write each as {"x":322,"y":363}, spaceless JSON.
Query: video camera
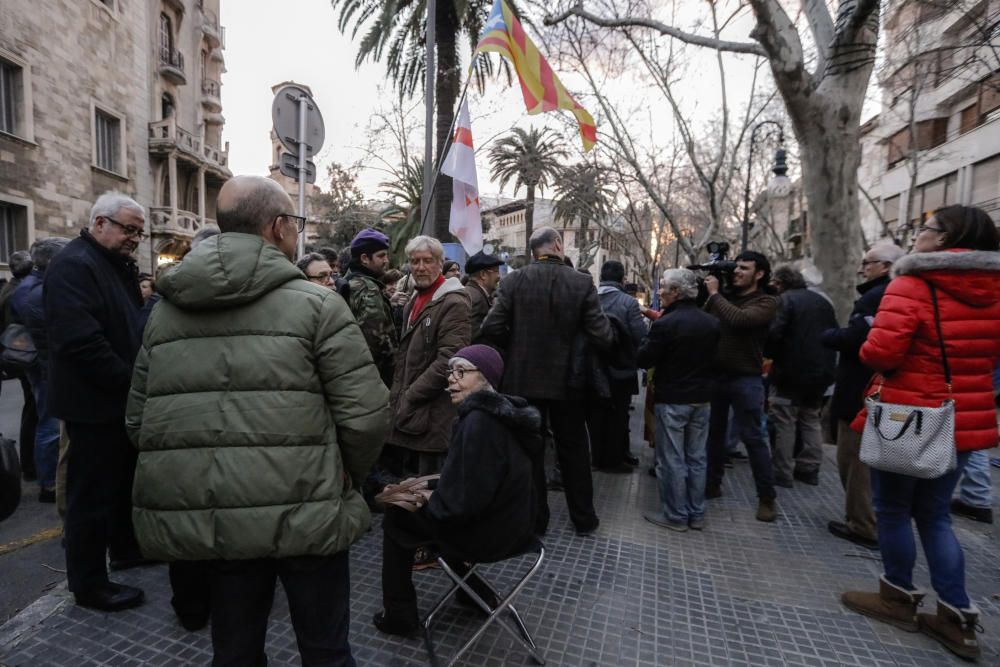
{"x":718,"y":265}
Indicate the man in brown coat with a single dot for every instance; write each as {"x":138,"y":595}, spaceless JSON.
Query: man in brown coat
{"x":539,"y":313}
{"x":484,"y":276}
{"x":435,"y":327}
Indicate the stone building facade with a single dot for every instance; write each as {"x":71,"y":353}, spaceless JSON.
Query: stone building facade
{"x":99,"y":95}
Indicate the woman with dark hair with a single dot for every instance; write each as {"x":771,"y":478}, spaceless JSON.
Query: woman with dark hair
{"x":451,"y":269}
{"x":954,"y":261}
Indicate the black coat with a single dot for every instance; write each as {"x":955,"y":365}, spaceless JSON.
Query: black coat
{"x":852,"y":376}
{"x":92,"y":303}
{"x":27,"y":308}
{"x":803,"y":367}
{"x":483,"y":507}
{"x":681,"y":347}
{"x":535,"y":320}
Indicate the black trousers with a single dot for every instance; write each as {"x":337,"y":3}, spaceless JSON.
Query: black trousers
{"x":29,"y":420}
{"x":403,"y":532}
{"x":99,"y":476}
{"x":607,"y":424}
{"x":191,"y":588}
{"x":318,"y":590}
{"x":569,"y":430}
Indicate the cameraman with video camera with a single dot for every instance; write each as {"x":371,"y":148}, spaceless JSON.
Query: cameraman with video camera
{"x":745,"y":312}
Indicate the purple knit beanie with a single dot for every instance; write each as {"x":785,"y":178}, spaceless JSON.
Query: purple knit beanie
{"x":486,"y":359}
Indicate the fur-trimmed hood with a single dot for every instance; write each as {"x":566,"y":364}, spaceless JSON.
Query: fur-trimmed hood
{"x":969,"y":276}
{"x":514,"y":411}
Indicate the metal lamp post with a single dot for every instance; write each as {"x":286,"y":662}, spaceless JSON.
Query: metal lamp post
{"x":779,"y":182}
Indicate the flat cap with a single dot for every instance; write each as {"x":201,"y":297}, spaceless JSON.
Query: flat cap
{"x":481,"y":261}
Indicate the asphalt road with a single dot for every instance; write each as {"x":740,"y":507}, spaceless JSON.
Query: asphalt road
{"x":31,"y":556}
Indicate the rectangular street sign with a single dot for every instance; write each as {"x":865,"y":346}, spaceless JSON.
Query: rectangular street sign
{"x":289,"y":165}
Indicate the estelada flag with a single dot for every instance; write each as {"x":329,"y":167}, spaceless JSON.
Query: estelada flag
{"x":460,"y":163}
{"x":542,"y":89}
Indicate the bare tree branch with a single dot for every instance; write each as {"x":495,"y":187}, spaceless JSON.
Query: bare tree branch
{"x":662,"y":28}
{"x":821,"y":25}
{"x":780,"y":41}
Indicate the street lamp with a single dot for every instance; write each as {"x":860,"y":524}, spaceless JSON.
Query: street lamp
{"x":779,"y":186}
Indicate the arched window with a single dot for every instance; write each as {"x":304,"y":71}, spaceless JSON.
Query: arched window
{"x":166,"y":38}
{"x":167,"y":106}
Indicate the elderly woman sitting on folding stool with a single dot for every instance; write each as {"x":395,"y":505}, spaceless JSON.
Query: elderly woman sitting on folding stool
{"x":483,"y":506}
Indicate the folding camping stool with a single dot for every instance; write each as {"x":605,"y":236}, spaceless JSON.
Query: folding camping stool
{"x":520,"y":633}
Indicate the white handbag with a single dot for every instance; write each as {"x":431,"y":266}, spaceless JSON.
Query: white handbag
{"x":908,"y":439}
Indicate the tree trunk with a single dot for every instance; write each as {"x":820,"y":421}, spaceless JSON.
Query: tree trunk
{"x":827,"y":125}
{"x":529,"y":220}
{"x":446,"y":93}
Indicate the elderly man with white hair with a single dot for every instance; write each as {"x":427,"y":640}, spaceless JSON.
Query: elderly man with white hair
{"x":851,"y":379}
{"x":681,"y":347}
{"x":92,"y":304}
{"x":436,"y":324}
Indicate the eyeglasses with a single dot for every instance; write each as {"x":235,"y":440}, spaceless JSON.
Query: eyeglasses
{"x":130,"y":230}
{"x":321,"y":277}
{"x":928,"y":228}
{"x":300,"y":221}
{"x":866,"y":262}
{"x":459,"y":372}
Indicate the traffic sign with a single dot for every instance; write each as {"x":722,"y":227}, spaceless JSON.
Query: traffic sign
{"x":288,"y":163}
{"x":285,"y":116}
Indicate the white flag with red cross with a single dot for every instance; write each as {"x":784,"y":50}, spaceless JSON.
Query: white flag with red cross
{"x":460,"y":164}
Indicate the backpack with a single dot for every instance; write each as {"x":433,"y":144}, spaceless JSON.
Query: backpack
{"x":18,"y":349}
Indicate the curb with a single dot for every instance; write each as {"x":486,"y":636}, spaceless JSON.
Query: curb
{"x":28,"y":620}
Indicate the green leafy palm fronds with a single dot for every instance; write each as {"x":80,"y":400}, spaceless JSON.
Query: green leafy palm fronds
{"x":531,"y":158}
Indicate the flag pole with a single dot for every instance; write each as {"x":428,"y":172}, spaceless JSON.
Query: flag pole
{"x":431,"y":177}
{"x":429,"y":81}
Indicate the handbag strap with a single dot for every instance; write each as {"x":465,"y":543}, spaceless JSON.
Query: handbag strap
{"x":937,"y":325}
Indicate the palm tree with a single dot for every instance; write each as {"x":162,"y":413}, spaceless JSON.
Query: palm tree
{"x":405,"y":191}
{"x":582,"y":194}
{"x":393,"y":32}
{"x":532,"y":159}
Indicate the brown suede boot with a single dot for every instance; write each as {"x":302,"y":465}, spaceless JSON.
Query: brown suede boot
{"x":767,"y":510}
{"x":891,"y":604}
{"x":954,"y":628}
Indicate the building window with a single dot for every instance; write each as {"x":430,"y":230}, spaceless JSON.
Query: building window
{"x":13,"y":229}
{"x":986,"y":185}
{"x":108,"y":141}
{"x":166,"y":38}
{"x":890,"y":211}
{"x":11,"y":98}
{"x":930,"y":133}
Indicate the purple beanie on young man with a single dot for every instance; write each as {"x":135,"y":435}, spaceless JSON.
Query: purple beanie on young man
{"x":486,"y":359}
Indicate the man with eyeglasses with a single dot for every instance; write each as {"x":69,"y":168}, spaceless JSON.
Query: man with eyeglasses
{"x":257,"y":413}
{"x":317,"y":269}
{"x":851,"y":379}
{"x":92,"y":303}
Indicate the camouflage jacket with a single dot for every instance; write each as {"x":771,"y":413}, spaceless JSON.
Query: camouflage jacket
{"x":373,"y":312}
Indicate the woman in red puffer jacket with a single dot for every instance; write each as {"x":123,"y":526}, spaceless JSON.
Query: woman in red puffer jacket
{"x":956,"y":252}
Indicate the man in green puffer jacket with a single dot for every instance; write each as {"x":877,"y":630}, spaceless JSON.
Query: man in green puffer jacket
{"x":257,"y":412}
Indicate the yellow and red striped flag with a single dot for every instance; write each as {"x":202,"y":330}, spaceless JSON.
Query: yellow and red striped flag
{"x":542,"y":89}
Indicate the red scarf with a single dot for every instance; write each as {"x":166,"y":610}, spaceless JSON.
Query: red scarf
{"x":423,"y":298}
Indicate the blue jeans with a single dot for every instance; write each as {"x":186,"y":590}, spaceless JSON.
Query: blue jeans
{"x":47,"y":431}
{"x":681,"y":459}
{"x":745,"y":394}
{"x":900,"y":499}
{"x":976,"y":487}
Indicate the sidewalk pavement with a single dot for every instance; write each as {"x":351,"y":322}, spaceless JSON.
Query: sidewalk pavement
{"x":740,"y":592}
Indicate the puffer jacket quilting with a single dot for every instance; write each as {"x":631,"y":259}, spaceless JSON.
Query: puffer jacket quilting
{"x":256,"y":409}
{"x":903,"y":344}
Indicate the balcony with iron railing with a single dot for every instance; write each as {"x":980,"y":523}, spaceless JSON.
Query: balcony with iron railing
{"x":172,"y":65}
{"x":166,"y":137}
{"x":215,"y":33}
{"x":211,"y":95}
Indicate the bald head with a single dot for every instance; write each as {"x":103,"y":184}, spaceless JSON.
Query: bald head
{"x":248,"y":204}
